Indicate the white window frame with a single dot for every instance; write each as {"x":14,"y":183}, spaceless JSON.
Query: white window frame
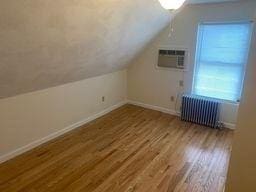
{"x":197,"y":54}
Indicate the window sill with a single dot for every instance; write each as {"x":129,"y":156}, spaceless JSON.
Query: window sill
{"x":220,"y":100}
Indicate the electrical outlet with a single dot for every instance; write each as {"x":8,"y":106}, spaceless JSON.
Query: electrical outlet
{"x":103,"y":99}
{"x":181,"y":83}
{"x":172,"y":98}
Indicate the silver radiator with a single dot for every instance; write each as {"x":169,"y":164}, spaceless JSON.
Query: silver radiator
{"x":200,"y":110}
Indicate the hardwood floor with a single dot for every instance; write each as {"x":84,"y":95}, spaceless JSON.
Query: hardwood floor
{"x":130,"y":149}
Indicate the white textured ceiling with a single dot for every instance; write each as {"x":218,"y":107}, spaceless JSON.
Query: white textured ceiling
{"x":45,"y":43}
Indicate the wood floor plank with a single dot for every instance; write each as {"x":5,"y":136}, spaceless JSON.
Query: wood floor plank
{"x":129,"y":149}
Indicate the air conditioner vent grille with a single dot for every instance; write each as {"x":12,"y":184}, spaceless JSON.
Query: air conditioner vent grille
{"x":168,"y":58}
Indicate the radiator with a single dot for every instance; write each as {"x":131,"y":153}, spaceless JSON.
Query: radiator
{"x":200,"y":110}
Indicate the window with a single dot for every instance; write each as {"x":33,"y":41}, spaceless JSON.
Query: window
{"x":222,"y":53}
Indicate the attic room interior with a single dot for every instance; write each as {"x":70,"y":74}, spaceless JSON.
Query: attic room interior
{"x":127,"y":96}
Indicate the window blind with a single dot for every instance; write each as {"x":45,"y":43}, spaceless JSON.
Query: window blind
{"x":222,"y":52}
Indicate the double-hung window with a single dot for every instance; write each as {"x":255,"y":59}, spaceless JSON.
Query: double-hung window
{"x":222,"y":54}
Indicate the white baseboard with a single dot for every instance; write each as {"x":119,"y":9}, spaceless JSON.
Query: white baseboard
{"x":148,"y":106}
{"x":38,"y":142}
{"x":229,"y":125}
{"x":172,"y":112}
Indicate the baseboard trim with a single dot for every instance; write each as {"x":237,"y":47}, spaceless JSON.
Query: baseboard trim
{"x":229,"y":125}
{"x":171,"y":112}
{"x":43,"y":140}
{"x":153,"y":107}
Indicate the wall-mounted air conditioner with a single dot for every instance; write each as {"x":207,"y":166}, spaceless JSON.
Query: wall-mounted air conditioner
{"x":172,"y":59}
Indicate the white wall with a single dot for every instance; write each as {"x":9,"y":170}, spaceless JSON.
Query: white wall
{"x":29,"y":118}
{"x":152,"y":86}
{"x":242,"y":170}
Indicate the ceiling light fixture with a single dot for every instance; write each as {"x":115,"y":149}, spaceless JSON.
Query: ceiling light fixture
{"x":171,"y":4}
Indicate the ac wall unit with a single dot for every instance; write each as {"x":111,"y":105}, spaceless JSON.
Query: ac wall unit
{"x":172,"y":59}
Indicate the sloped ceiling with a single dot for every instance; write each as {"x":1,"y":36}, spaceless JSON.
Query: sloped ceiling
{"x":45,"y":43}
